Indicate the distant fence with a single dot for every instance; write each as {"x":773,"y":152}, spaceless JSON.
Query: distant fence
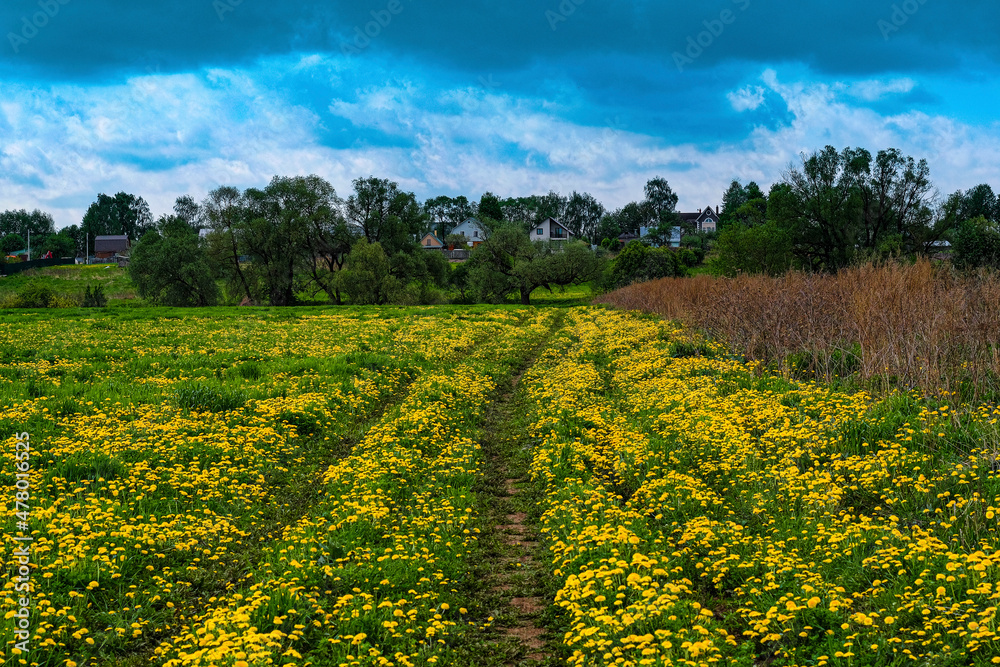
{"x":18,"y":267}
{"x":457,"y":254}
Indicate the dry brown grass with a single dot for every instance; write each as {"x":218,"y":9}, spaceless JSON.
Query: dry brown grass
{"x":897,"y":326}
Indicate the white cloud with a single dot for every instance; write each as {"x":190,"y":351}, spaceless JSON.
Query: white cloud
{"x":874,"y":90}
{"x":746,"y":99}
{"x":161,"y":136}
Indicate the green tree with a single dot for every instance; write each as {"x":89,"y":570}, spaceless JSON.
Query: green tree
{"x":459,"y":279}
{"x":188,"y":210}
{"x":489,"y":207}
{"x":11,"y":243}
{"x":763,"y":248}
{"x":844,"y":203}
{"x":446,"y":213}
{"x":610,"y":229}
{"x":74,"y":233}
{"x":170,"y":267}
{"x":638,"y":263}
{"x":508,"y":261}
{"x":631,"y":217}
{"x":23,"y":222}
{"x":60,"y":245}
{"x":661,"y":205}
{"x":122,"y":214}
{"x":735,"y":201}
{"x":225,"y":213}
{"x":384,"y":214}
{"x":976,"y":244}
{"x":367,"y":276}
{"x":276,"y":228}
{"x":583,"y":216}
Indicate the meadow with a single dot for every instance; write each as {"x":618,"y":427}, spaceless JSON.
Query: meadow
{"x":321,"y":486}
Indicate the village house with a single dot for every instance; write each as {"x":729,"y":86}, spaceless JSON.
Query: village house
{"x":108,"y":247}
{"x":705,"y":220}
{"x":472,"y":230}
{"x":430,"y":241}
{"x":549,"y":229}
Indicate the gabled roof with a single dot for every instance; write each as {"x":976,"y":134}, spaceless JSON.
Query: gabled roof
{"x":434,"y":238}
{"x":470,"y":223}
{"x":117,"y":243}
{"x":703,"y":214}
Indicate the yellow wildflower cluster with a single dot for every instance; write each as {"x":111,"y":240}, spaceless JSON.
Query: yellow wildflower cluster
{"x":698,"y":513}
{"x":188,"y":502}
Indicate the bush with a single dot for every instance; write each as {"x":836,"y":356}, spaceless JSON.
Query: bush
{"x":638,"y":263}
{"x":763,"y":249}
{"x":367,"y":276}
{"x":94,"y":298}
{"x":35,"y":295}
{"x":976,"y":245}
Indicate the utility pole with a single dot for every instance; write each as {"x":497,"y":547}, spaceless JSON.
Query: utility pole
{"x":29,"y":245}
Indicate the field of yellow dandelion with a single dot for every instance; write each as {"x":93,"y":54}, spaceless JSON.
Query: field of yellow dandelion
{"x":304,"y":487}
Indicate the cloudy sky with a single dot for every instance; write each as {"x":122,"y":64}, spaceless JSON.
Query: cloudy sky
{"x":516,"y":97}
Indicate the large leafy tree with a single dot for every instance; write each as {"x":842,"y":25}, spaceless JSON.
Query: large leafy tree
{"x":225,"y":213}
{"x":509,"y":262}
{"x":489,"y":207}
{"x":976,"y":244}
{"x":583,"y":216}
{"x":170,"y":267}
{"x":60,"y":245}
{"x":760,"y":248}
{"x":12,"y":243}
{"x":979,"y":202}
{"x":74,"y":233}
{"x":367,"y":277}
{"x":840,"y":204}
{"x":122,"y":214}
{"x":268,"y":243}
{"x":190,"y":211}
{"x":543,"y":207}
{"x":276,"y":229}
{"x":735,"y":201}
{"x":384,"y":214}
{"x":23,"y":222}
{"x":632,"y":216}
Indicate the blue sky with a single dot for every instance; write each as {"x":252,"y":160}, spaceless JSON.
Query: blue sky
{"x":457,"y":98}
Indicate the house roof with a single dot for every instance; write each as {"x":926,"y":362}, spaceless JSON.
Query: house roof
{"x":110,"y":243}
{"x":469,"y":223}
{"x":702,"y":215}
{"x":433,"y":237}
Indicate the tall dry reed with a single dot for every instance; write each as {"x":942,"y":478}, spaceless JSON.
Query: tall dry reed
{"x":896,"y":326}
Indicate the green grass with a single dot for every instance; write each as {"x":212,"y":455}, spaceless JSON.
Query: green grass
{"x":69,"y":282}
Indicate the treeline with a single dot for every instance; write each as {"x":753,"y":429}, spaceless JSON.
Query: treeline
{"x":297,"y":236}
{"x":842,"y":208}
{"x":123,"y":213}
{"x":21,"y":227}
